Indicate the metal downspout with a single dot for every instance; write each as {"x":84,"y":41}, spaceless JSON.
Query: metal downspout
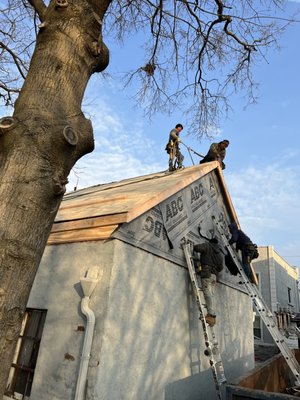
{"x":88,"y":284}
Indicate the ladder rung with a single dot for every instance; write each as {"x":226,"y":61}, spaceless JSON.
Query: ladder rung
{"x":195,"y":363}
{"x":219,"y":362}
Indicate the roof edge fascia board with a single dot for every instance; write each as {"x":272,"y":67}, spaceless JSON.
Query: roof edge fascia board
{"x":92,"y":222}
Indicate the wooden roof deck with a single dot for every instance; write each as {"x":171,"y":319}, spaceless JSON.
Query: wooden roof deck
{"x":95,"y":212}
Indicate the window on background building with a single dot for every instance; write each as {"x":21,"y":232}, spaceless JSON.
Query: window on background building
{"x":289,"y":295}
{"x":25,"y":358}
{"x":257,"y":328}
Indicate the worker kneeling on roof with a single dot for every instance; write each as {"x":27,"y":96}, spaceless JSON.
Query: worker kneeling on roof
{"x":216,"y":152}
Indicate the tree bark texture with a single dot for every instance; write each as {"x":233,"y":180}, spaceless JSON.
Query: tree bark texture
{"x":39,"y":145}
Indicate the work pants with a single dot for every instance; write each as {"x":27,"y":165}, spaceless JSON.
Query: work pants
{"x":175,"y":153}
{"x":209,"y":286}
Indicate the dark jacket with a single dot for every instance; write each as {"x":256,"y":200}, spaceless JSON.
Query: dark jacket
{"x":211,"y":258}
{"x":238,"y":237}
{"x":214,"y":153}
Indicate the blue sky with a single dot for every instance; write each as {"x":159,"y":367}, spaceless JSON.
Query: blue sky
{"x":263,"y":159}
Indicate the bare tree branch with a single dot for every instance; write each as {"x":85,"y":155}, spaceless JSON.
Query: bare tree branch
{"x":195,"y":51}
{"x":39,"y":7}
{"x":100,"y":6}
{"x":16,"y":59}
{"x":7,"y":95}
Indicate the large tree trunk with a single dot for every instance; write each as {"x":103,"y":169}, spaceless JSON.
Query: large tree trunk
{"x":38,"y":146}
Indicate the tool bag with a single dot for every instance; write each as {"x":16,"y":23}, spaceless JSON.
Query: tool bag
{"x":169,"y":146}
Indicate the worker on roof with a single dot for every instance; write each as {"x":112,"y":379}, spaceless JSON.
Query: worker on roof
{"x":216,"y":152}
{"x":211,"y":263}
{"x":172,"y":148}
{"x":246,"y":246}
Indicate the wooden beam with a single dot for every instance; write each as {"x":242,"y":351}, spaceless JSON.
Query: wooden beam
{"x":105,"y":220}
{"x":81,"y":235}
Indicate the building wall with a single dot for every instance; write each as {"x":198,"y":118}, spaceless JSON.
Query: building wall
{"x":265,"y":271}
{"x":148,"y":342}
{"x":57,"y":289}
{"x":276,"y":276}
{"x":286,"y":278}
{"x":262,"y":268}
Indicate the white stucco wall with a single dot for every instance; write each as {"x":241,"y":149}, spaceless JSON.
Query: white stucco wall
{"x":57,"y":288}
{"x":148,"y":343}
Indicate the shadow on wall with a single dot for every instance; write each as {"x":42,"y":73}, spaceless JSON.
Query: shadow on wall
{"x":152,"y":333}
{"x":147,"y":330}
{"x":202,"y":384}
{"x":146,"y":337}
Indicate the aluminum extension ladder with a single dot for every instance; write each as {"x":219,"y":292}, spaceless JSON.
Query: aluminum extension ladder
{"x":263,"y":310}
{"x":211,"y":343}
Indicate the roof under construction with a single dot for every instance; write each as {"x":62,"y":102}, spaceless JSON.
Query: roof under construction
{"x":95,"y":212}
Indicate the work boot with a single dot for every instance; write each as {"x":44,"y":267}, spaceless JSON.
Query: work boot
{"x":210,"y":319}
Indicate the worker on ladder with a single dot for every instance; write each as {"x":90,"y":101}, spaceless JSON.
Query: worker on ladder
{"x":172,"y":148}
{"x":211,"y":263}
{"x":246,"y":246}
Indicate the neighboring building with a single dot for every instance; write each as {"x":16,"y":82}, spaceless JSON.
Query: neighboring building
{"x":119,"y":244}
{"x":278,"y":282}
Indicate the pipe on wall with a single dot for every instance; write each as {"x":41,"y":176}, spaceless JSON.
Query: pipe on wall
{"x":88,"y":284}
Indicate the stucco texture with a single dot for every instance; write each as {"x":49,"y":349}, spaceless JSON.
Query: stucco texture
{"x":148,"y":342}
